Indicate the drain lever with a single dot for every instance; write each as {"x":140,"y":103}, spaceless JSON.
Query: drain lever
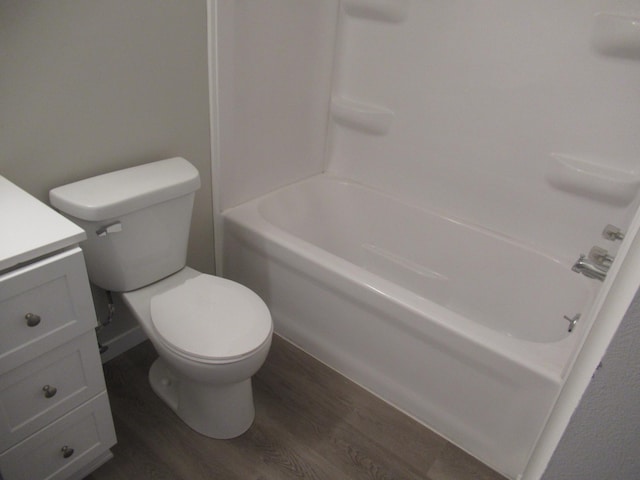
{"x":572,"y":321}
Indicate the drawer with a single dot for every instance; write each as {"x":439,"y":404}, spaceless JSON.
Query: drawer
{"x":54,"y":293}
{"x":86,"y":432}
{"x":73,"y":374}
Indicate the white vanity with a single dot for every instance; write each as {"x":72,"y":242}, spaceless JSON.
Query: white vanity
{"x":55,"y":420}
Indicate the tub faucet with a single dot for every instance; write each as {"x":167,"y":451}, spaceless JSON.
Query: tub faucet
{"x":589,"y":269}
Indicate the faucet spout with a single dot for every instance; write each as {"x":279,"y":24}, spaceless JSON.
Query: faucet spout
{"x":589,"y":269}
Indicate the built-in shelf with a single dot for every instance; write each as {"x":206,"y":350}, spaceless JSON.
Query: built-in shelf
{"x":392,"y":11}
{"x":365,"y":118}
{"x":598,"y":182}
{"x":617,"y":35}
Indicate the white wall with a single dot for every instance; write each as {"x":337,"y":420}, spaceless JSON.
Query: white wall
{"x":92,"y":86}
{"x":274,"y":64}
{"x":466,"y":105}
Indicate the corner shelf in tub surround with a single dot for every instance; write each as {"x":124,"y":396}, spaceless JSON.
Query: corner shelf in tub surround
{"x":56,"y":420}
{"x":390,"y":11}
{"x":363,"y":117}
{"x":598,"y":182}
{"x":616,"y":35}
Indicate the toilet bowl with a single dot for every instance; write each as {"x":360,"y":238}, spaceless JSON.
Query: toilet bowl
{"x":206,"y":383}
{"x":206,"y":360}
{"x":211,"y":334}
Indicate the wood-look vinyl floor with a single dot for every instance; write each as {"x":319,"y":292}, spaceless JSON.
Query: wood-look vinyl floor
{"x":311,"y":423}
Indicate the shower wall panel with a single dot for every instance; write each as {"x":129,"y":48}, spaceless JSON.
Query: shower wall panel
{"x":521,"y":116}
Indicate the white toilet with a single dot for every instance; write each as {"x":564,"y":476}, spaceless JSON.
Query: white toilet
{"x":211,"y":334}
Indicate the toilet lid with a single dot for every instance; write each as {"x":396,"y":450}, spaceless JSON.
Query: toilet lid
{"x":211,"y":318}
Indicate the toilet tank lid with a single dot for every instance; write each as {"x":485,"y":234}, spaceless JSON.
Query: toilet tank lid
{"x":124,"y":191}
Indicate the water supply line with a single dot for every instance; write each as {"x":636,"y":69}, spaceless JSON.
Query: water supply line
{"x":111,"y":308}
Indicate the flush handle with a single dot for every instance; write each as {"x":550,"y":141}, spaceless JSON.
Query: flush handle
{"x":114,"y":227}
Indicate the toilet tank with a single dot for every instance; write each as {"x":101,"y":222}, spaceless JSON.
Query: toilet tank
{"x":137,"y":221}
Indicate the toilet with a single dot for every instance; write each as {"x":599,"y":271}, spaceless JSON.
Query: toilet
{"x":211,"y":334}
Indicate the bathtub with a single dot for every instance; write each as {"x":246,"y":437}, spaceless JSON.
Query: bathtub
{"x":461,"y":328}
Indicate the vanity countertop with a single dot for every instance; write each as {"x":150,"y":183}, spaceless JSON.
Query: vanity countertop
{"x":29,"y":228}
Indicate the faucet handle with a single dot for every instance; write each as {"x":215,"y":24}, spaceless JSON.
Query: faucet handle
{"x":611,"y":232}
{"x":600,"y":256}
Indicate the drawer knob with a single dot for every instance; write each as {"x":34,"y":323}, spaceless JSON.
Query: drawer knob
{"x":32,"y":319}
{"x":66,"y":451}
{"x":49,"y":391}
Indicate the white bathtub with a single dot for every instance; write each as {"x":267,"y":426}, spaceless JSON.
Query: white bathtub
{"x":461,"y":328}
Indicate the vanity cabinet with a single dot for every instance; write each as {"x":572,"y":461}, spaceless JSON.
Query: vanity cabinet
{"x":55,"y":419}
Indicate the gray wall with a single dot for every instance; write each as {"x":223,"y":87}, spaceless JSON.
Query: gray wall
{"x":90,"y":86}
{"x":602,"y":440}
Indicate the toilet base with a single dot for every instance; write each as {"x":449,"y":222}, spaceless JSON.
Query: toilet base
{"x":216,"y":411}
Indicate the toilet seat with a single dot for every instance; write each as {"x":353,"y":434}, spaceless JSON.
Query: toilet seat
{"x":209,"y":319}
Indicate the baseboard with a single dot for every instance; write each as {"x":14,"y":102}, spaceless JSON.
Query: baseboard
{"x":122,"y":343}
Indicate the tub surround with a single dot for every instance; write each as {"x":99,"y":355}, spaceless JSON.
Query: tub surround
{"x":274,"y":63}
{"x":512,"y":116}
